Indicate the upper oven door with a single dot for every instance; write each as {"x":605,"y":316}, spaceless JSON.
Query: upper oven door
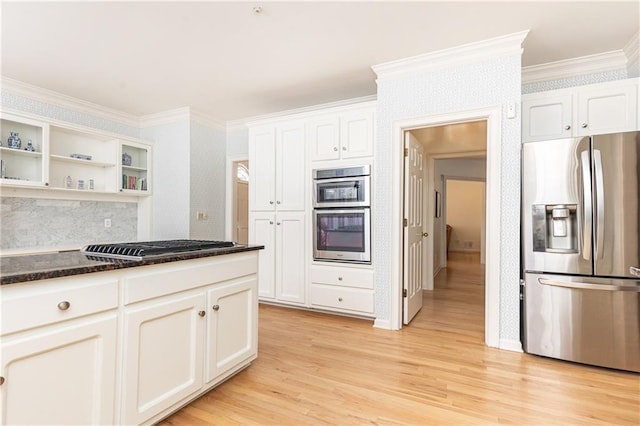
{"x":342,"y":192}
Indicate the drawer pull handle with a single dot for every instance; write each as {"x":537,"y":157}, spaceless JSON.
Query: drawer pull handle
{"x":584,"y":125}
{"x":215,"y":307}
{"x":202,"y":313}
{"x":567,"y":127}
{"x":339,"y":299}
{"x":64,"y":305}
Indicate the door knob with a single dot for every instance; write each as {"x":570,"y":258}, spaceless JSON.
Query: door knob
{"x":425,"y":234}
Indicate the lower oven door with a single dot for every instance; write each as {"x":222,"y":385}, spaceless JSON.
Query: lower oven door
{"x":342,"y":235}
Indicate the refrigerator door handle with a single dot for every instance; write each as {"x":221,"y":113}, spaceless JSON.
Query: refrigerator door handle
{"x":590,"y":286}
{"x":599,"y":181}
{"x":587,"y":204}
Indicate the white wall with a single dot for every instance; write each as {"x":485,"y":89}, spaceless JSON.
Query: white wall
{"x":463,"y":211}
{"x":171,"y":175}
{"x":207,"y":182}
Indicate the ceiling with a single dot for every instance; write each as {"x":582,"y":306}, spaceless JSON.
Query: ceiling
{"x":227,"y":61}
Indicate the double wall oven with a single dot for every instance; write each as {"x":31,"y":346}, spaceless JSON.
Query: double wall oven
{"x":342,"y":214}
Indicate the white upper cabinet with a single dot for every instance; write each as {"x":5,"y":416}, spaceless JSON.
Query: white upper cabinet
{"x":277,"y":164}
{"x":547,"y":117}
{"x":607,"y":110}
{"x":580,"y":111}
{"x":342,"y":135}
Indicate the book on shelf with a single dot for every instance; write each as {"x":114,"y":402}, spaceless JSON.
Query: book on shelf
{"x":134,"y":182}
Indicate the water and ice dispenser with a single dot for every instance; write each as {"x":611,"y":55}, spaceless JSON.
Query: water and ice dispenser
{"x":555,"y":228}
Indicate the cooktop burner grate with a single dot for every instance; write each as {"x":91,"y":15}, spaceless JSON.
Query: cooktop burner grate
{"x":139,"y":250}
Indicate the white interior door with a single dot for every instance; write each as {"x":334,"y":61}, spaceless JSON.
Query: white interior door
{"x":413,"y":228}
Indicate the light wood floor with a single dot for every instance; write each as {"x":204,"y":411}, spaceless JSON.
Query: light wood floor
{"x":315,"y":368}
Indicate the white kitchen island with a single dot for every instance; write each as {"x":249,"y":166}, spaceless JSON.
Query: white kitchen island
{"x":126,"y":345}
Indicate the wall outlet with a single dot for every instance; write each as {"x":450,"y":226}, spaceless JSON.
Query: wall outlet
{"x":107,"y":223}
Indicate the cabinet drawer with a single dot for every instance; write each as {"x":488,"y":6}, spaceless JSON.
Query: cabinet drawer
{"x":344,"y":277}
{"x":36,"y":304}
{"x":159,"y":280}
{"x":342,"y":299}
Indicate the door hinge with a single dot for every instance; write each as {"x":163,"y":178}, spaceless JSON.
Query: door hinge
{"x":404,"y":222}
{"x":404,"y":292}
{"x":406,"y":152}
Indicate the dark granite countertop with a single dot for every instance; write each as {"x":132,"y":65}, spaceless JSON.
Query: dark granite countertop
{"x":17,"y":269}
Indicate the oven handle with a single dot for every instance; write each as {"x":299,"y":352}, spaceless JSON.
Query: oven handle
{"x":342,"y":211}
{"x":342,"y":179}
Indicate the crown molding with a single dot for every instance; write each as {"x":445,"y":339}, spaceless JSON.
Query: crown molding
{"x":301,"y":113}
{"x":51,"y":97}
{"x":164,"y":117}
{"x":632,"y":49}
{"x":601,"y":62}
{"x":510,"y":44}
{"x":179,"y":114}
{"x":207,"y":120}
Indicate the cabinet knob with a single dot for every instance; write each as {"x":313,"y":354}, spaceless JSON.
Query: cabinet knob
{"x":344,"y":148}
{"x":202,"y":313}
{"x":270,"y":222}
{"x":567,"y":127}
{"x":277,"y":202}
{"x":64,"y":305}
{"x":46,"y":184}
{"x":425,"y":234}
{"x":339,"y":278}
{"x":215,"y":307}
{"x":270,"y":202}
{"x":335,"y":148}
{"x":1,"y":380}
{"x":277,"y":223}
{"x":339,"y":299}
{"x":584,"y":125}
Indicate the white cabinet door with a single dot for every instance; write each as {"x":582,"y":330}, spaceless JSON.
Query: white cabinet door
{"x":164,"y":352}
{"x":356,"y":134}
{"x":262,"y":166}
{"x":324,"y":138}
{"x":232,"y":333}
{"x":290,"y":167}
{"x":290,"y":266}
{"x":547,"y":117}
{"x":281,"y":264}
{"x":262,"y":232}
{"x":607,"y":110}
{"x":65,"y":375}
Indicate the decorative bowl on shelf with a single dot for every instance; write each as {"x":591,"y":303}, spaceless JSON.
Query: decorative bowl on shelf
{"x":126,"y":159}
{"x":81,"y":156}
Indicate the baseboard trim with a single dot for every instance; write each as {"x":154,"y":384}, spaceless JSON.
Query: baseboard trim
{"x":379,"y":323}
{"x":511,"y":345}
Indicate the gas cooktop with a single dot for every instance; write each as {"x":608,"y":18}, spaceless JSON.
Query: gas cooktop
{"x":147,"y":249}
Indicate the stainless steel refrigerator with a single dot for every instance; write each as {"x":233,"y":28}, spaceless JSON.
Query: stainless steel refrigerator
{"x":581,"y":249}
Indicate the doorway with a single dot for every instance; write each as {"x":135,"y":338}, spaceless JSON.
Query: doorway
{"x":454,"y":149}
{"x":492,"y":120}
{"x":237,"y":228}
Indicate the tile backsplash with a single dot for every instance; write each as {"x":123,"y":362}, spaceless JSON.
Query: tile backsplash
{"x":32,"y":223}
